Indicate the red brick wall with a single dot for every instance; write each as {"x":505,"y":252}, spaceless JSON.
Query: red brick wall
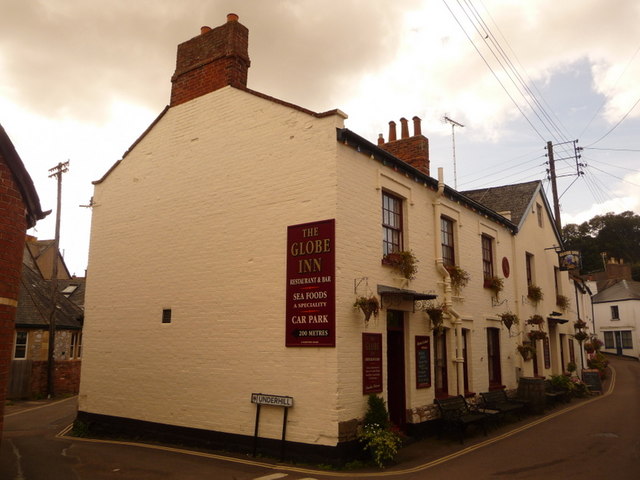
{"x":13,"y":227}
{"x":66,"y":378}
{"x":212,"y":60}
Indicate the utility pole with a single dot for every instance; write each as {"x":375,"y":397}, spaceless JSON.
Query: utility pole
{"x":454,"y":124}
{"x":57,"y":172}
{"x":554,"y":186}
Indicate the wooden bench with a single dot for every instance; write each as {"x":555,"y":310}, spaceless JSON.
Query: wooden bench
{"x":554,"y":394}
{"x":499,"y":401}
{"x":455,"y":413}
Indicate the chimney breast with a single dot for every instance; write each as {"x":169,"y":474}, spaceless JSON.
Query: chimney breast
{"x":412,"y":150}
{"x":214,"y":59}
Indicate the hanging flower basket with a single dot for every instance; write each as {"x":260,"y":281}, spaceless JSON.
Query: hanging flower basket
{"x":562,"y":301}
{"x":534,"y":293}
{"x":509,"y":319}
{"x":537,"y":335}
{"x":403,"y":262}
{"x":435,"y":313}
{"x":368,"y":305}
{"x":581,"y":336}
{"x":459,"y":277}
{"x":589,"y":347}
{"x":535,"y":320}
{"x":579,"y":324}
{"x":527,"y":350}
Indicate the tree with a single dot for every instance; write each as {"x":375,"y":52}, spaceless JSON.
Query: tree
{"x":616,"y":235}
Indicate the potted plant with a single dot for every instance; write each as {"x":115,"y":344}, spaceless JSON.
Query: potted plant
{"x":535,"y":320}
{"x":509,"y":319}
{"x":527,"y":350}
{"x":562,"y":301}
{"x":537,"y":335}
{"x":404,"y":262}
{"x":459,"y":277}
{"x":436,"y":315}
{"x":534,"y":293}
{"x":368,"y":305}
{"x":495,"y":284}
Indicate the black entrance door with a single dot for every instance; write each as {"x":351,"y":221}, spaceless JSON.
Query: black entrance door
{"x":395,"y":368}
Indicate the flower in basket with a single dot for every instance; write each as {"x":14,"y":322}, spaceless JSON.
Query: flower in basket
{"x":581,"y":336}
{"x":509,"y":319}
{"x":534,"y":293}
{"x":368,"y":305}
{"x":459,"y":277}
{"x":527,"y":350}
{"x":579,"y":324}
{"x":403,"y":262}
{"x":436,"y":315}
{"x":495,"y":284}
{"x":563,"y":302}
{"x":535,"y":320}
{"x":537,"y":335}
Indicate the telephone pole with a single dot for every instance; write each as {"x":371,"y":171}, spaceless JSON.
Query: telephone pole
{"x":553,"y":176}
{"x":554,"y":186}
{"x":57,"y":172}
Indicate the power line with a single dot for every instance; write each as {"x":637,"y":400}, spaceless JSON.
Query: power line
{"x":616,"y":125}
{"x":493,"y":72}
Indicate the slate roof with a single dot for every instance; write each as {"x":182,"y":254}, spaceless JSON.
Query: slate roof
{"x":516,"y":199}
{"x":34,"y":304}
{"x":622,"y":290}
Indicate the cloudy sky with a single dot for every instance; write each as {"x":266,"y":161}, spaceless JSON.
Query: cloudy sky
{"x":80,"y":80}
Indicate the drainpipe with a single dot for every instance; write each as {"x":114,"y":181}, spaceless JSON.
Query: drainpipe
{"x":448,"y":301}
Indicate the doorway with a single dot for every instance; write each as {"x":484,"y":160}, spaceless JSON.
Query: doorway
{"x":440,"y":364}
{"x":396,"y":394}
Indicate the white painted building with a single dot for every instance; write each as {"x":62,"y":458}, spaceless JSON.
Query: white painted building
{"x":230,"y":243}
{"x":617,"y":316}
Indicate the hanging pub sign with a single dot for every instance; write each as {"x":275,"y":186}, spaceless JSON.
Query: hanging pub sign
{"x":371,"y":363}
{"x":311,"y":308}
{"x":569,"y":260}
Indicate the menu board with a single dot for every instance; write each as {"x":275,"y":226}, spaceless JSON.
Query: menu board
{"x":592,"y":379}
{"x":371,"y":363}
{"x":423,"y":362}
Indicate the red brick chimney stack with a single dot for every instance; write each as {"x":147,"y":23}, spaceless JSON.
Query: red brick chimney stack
{"x":392,"y":131}
{"x":214,"y":59}
{"x":404,"y":129}
{"x":412,"y":150}
{"x":417,"y":129}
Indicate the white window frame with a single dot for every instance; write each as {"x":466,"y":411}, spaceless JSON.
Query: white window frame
{"x":15,"y":344}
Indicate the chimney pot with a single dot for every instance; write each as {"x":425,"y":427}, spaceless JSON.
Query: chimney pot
{"x":204,"y":30}
{"x":417,"y":129}
{"x":232,"y":17}
{"x":405,"y":128}
{"x":392,"y":131}
{"x":380,"y":139}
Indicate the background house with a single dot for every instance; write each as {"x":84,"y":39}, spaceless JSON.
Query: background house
{"x":617,"y":318}
{"x":29,"y":366}
{"x":20,"y":210}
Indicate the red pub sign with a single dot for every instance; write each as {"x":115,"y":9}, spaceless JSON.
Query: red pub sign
{"x":311,"y":306}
